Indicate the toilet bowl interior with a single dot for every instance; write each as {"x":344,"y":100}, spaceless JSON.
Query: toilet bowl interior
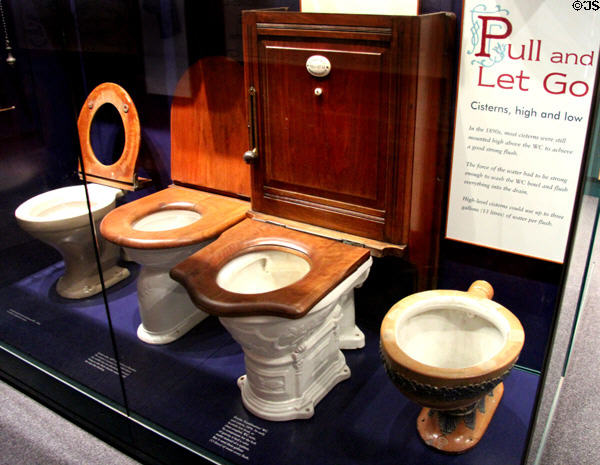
{"x":65,"y":203}
{"x":53,"y":209}
{"x":449,"y":332}
{"x":166,"y":220}
{"x":263,"y":270}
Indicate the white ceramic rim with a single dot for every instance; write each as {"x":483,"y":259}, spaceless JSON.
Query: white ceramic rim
{"x":483,"y":308}
{"x":100,"y":196}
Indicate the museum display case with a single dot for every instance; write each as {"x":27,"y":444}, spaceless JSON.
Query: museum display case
{"x":239,"y":200}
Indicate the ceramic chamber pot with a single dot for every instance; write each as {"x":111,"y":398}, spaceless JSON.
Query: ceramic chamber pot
{"x":449,"y":351}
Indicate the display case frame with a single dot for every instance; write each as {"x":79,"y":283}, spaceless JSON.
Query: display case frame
{"x":130,"y":417}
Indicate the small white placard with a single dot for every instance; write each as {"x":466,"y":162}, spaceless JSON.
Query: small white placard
{"x":373,"y":7}
{"x":239,"y":437}
{"x":525,"y":88}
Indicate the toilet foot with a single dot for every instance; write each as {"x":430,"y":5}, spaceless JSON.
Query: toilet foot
{"x":172,"y":334}
{"x":352,"y":338}
{"x":456,"y":434}
{"x":73,"y":286}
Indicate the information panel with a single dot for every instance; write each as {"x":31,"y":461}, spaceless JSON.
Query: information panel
{"x":525,"y":87}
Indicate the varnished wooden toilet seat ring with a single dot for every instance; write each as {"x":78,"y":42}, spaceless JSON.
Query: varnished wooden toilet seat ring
{"x":330,"y":263}
{"x":120,"y":174}
{"x":217,"y":214}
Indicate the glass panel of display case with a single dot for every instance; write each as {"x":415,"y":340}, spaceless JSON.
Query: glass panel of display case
{"x":566,"y":376}
{"x":186,"y":368}
{"x":53,"y":313}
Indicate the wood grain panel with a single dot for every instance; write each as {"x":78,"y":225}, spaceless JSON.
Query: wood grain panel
{"x":209,"y":129}
{"x":330,"y":144}
{"x":433,"y":129}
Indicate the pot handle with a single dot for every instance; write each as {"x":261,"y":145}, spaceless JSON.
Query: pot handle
{"x":482,"y":289}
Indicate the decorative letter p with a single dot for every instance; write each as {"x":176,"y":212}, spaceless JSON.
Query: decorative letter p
{"x":485,"y":34}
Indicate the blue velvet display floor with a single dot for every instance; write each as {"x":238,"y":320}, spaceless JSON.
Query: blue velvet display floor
{"x":189,"y":387}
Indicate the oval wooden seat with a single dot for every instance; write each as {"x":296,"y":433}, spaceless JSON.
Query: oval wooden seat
{"x":120,"y":174}
{"x":330,"y":263}
{"x":218,"y":213}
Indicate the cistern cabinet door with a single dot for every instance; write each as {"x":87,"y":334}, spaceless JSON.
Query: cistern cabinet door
{"x":325,"y":121}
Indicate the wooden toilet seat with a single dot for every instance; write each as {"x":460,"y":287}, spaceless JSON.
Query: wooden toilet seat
{"x":330,"y":263}
{"x":120,"y":174}
{"x":218,"y":213}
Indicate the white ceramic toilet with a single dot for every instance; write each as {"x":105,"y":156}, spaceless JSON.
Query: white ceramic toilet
{"x":291,"y":364}
{"x":60,"y":217}
{"x":340,"y":171}
{"x":160,"y":230}
{"x":287,"y":298}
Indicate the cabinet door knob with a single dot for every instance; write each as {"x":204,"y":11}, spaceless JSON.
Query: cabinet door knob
{"x":251,"y":156}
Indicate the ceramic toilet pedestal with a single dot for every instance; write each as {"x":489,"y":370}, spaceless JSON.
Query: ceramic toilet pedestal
{"x":291,"y":364}
{"x":164,"y":306}
{"x":351,"y":337}
{"x":60,"y":217}
{"x":288,"y":373}
{"x":81,"y":278}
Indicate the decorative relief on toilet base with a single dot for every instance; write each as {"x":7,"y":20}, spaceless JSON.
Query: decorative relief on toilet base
{"x":458,"y":431}
{"x":291,"y":364}
{"x":287,"y":381}
{"x":425,"y":393}
{"x":294,"y":408}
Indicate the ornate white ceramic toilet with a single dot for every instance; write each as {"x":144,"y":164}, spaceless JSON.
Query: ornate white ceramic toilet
{"x":60,"y":217}
{"x":449,"y":351}
{"x":282,"y":295}
{"x":163,"y":228}
{"x":326,"y":193}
